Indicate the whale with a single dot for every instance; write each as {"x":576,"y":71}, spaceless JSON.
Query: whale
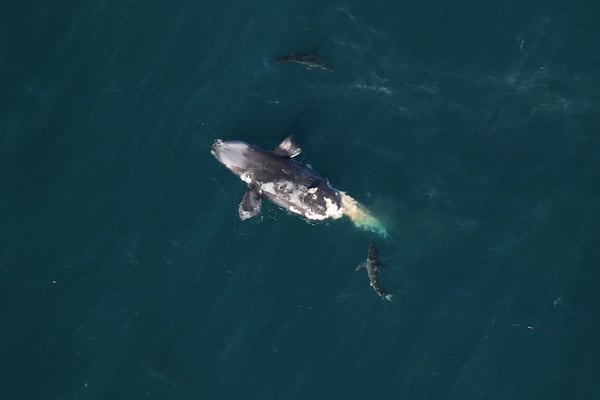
{"x":275,"y":175}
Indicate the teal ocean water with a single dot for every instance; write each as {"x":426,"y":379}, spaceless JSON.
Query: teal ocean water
{"x":470,"y":128}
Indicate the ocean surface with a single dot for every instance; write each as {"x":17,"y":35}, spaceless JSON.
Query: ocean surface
{"x":470,"y":128}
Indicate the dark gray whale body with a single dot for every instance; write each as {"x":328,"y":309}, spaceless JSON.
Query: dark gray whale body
{"x":274,"y":175}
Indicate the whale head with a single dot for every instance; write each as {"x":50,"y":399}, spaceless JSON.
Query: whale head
{"x":234,"y":155}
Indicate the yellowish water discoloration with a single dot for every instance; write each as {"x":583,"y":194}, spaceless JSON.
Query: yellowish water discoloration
{"x":361,"y":217}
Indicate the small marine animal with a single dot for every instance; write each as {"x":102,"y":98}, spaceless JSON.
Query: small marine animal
{"x":372,"y":266}
{"x":287,"y":183}
{"x":308,"y":60}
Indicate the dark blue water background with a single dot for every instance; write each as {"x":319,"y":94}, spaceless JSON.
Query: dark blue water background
{"x":471,"y":128}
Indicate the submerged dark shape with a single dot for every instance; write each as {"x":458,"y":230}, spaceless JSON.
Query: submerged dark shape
{"x":372,"y":266}
{"x":308,"y":60}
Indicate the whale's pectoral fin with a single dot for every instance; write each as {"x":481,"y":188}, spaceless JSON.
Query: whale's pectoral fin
{"x":288,"y":148}
{"x":251,"y":204}
{"x":361,"y":266}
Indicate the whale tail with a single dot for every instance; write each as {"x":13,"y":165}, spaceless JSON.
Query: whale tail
{"x":361,"y":217}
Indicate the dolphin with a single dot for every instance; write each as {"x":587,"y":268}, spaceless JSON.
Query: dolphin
{"x":293,"y":186}
{"x":308,"y":60}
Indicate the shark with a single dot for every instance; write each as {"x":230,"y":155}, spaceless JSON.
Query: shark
{"x":373,"y":265}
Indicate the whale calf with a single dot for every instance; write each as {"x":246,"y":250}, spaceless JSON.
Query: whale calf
{"x":293,"y":186}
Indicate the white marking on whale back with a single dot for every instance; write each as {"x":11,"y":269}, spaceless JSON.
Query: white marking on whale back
{"x":291,"y":196}
{"x":333,"y":211}
{"x":246,"y":178}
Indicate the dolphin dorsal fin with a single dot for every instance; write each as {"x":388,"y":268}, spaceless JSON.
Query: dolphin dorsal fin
{"x":288,"y":148}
